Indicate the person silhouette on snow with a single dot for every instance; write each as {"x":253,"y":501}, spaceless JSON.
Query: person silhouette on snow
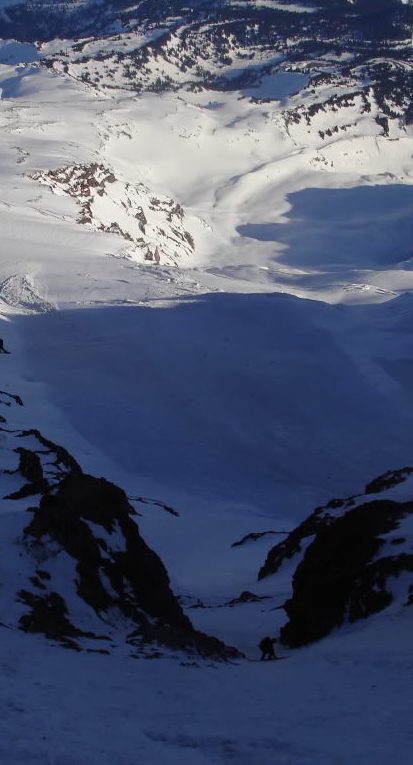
{"x":266,"y":647}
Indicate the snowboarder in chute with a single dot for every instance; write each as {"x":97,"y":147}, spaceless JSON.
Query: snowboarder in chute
{"x":266,"y":647}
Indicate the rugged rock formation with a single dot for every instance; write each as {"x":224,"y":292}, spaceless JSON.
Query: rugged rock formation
{"x":152,"y":226}
{"x":296,"y":541}
{"x":82,"y":574}
{"x":348,"y":556}
{"x":116,"y":574}
{"x":342,"y":575}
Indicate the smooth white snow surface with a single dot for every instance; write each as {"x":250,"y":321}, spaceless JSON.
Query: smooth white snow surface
{"x":244,"y":387}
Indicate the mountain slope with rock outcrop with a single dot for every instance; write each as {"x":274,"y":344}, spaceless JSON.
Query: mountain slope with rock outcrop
{"x":77,"y":569}
{"x":349,"y":559}
{"x":151,"y":226}
{"x":206,"y":216}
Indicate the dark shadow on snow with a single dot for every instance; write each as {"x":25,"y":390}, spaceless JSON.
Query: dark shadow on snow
{"x":366,"y":227}
{"x":224,"y":395}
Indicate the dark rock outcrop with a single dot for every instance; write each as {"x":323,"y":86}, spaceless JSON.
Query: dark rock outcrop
{"x":117,"y":575}
{"x":49,"y":615}
{"x":138,"y":579}
{"x":341,"y":575}
{"x":41,"y":466}
{"x":84,"y":572}
{"x":346,"y":556}
{"x":253,"y":536}
{"x":388,"y":480}
{"x":247,"y":597}
{"x":30,"y":467}
{"x":293,"y":543}
{"x":322,"y":517}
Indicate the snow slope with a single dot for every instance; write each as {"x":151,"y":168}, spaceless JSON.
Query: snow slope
{"x":338,"y":703}
{"x":203,"y":388}
{"x":242,"y":383}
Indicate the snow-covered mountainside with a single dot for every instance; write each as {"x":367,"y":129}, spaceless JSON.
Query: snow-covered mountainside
{"x":152,"y":225}
{"x":206,"y":319}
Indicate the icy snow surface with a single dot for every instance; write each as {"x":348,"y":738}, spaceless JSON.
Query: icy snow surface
{"x":243,"y":386}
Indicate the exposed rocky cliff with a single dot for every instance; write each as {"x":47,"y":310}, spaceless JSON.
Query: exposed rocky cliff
{"x":77,"y":569}
{"x":352,"y":558}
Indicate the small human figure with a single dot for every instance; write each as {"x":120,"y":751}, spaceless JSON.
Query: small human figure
{"x":266,"y":647}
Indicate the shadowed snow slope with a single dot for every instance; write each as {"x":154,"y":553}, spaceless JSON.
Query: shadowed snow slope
{"x":227,"y":395}
{"x":343,"y":228}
